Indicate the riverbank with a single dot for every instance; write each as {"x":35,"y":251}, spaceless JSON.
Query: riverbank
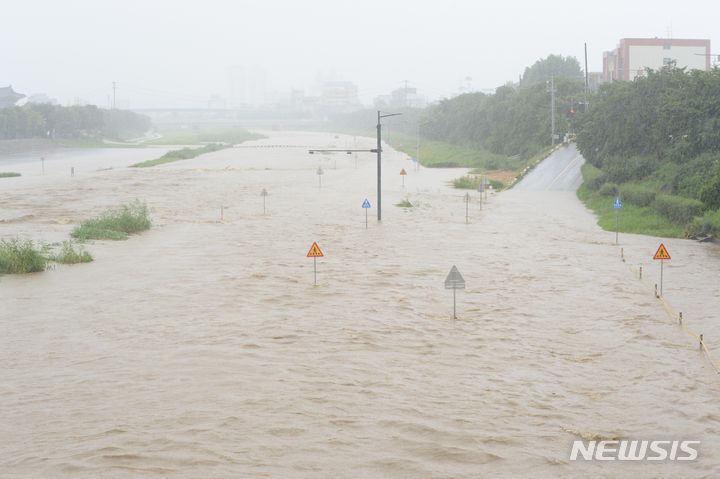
{"x":644,"y":210}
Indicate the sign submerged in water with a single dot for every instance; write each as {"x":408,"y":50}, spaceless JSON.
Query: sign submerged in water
{"x":454,"y":281}
{"x":662,"y":255}
{"x":315,"y":253}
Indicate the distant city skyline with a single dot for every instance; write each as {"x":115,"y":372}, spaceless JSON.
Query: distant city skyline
{"x":170,"y":53}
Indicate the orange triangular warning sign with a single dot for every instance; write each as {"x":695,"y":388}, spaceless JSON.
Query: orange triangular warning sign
{"x":662,"y":253}
{"x":315,"y":251}
{"x":403,"y":172}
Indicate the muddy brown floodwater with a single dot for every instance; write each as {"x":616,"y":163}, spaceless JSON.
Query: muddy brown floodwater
{"x":201,"y":348}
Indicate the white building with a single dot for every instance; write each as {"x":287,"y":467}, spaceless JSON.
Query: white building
{"x":634,"y":56}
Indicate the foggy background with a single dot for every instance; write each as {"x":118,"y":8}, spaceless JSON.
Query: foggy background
{"x":182,"y":53}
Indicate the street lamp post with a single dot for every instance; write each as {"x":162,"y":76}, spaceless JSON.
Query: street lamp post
{"x":379,"y":161}
{"x":377,"y":150}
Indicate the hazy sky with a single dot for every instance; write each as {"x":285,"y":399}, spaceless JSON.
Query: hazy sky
{"x":177,"y":52}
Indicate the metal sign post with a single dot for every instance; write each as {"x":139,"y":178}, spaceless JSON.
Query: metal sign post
{"x":366,"y":207}
{"x":264,"y":194}
{"x":617,"y":206}
{"x":467,"y":208}
{"x":315,"y":253}
{"x":481,"y":188}
{"x":454,"y":281}
{"x":661,"y":255}
{"x":403,"y":173}
{"x":320,"y":172}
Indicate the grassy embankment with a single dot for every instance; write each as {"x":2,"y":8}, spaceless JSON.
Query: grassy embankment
{"x":500,"y":170}
{"x":183,"y":154}
{"x":216,"y":140}
{"x":640,"y":213}
{"x":232,"y":136}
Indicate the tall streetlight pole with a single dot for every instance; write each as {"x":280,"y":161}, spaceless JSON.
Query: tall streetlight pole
{"x":377,"y":150}
{"x":379,"y":161}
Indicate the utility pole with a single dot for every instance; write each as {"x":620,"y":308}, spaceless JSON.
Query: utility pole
{"x":377,"y":150}
{"x":379,"y":161}
{"x":417,"y":149}
{"x":114,"y":105}
{"x":586,"y":81}
{"x":552,"y":109}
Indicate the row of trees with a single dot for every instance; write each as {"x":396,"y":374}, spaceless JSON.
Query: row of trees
{"x":54,"y":121}
{"x":656,"y":143}
{"x":669,"y":114}
{"x":514,"y":121}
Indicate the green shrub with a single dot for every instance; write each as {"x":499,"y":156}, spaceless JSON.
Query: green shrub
{"x":593,"y":177}
{"x":497,"y":185}
{"x":638,"y":195}
{"x":9,"y":174}
{"x":609,"y":189}
{"x":115,"y":224}
{"x":621,"y":169}
{"x":710,"y":192}
{"x":677,"y":209}
{"x":405,"y":204}
{"x":20,"y":256}
{"x":709,"y":223}
{"x":69,"y":255}
{"x":467,"y":182}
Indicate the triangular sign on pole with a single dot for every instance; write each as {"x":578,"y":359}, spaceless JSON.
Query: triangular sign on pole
{"x":366,"y":204}
{"x":662,"y":253}
{"x":454,"y":279}
{"x":403,"y":172}
{"x":315,"y":251}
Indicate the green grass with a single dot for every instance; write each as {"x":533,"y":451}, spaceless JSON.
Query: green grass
{"x":438,"y":154}
{"x":472,"y":182}
{"x":631,"y":218}
{"x":115,"y":224}
{"x":231,"y":136}
{"x":20,"y":257}
{"x":405,"y":204}
{"x":467,"y":182}
{"x":177,"y":155}
{"x":69,"y":255}
{"x":9,"y":174}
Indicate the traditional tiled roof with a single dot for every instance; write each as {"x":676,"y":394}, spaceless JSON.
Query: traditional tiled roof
{"x":8,"y":96}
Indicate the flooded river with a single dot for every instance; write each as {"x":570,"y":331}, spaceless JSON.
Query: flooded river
{"x":202,"y":349}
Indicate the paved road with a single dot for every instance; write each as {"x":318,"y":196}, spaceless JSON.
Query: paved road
{"x":559,"y":172}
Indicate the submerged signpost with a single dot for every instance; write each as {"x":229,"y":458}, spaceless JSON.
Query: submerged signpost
{"x":454,"y":281}
{"x":661,"y":255}
{"x":366,"y":207}
{"x":320,"y":172}
{"x":403,"y":173}
{"x":264,"y":194}
{"x":315,"y":253}
{"x":617,"y":206}
{"x":467,"y":208}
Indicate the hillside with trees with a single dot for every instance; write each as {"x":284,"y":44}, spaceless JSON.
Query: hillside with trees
{"x":73,"y":122}
{"x":655,"y":142}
